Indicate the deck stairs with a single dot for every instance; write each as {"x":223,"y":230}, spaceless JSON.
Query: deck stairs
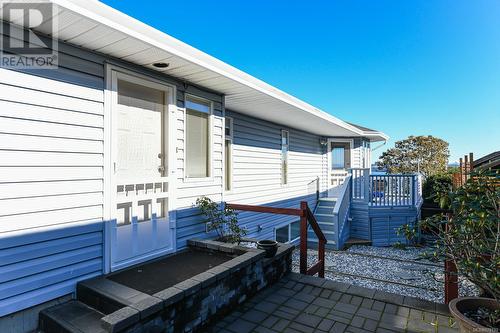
{"x":325,"y":217}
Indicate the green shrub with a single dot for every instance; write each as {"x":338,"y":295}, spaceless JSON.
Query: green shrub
{"x":221,"y":219}
{"x":436,"y":185}
{"x":470,"y":237}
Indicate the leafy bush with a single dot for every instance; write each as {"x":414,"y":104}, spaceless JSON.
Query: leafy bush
{"x":410,"y":232}
{"x":470,"y":237}
{"x":436,"y":185}
{"x":221,"y":219}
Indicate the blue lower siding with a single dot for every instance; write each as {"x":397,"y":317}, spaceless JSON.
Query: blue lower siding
{"x":43,"y":265}
{"x":384,"y":223}
{"x":190,"y":224}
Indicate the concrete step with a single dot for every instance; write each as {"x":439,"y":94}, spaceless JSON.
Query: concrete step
{"x":107,"y":296}
{"x":70,"y":317}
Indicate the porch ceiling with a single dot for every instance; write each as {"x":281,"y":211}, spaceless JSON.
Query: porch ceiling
{"x":98,"y":27}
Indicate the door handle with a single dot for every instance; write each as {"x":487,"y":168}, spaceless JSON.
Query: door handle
{"x":161,"y":169}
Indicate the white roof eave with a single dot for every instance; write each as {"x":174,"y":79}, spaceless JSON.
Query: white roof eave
{"x":118,"y":21}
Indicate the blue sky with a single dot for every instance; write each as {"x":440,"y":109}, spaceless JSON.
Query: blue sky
{"x":402,"y":67}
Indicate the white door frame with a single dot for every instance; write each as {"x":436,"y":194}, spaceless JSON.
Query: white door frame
{"x":330,"y":158}
{"x":110,"y":151}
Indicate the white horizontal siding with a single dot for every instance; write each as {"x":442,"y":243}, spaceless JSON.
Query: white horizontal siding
{"x":257,"y":162}
{"x":188,"y":190}
{"x":51,"y":150}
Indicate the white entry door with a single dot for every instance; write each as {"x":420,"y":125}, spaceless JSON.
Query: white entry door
{"x":141,"y":228}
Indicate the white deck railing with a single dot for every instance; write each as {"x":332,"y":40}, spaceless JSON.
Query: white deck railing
{"x":386,"y":190}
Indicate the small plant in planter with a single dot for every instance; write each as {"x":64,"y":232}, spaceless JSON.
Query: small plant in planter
{"x":470,"y":237}
{"x":221,"y":219}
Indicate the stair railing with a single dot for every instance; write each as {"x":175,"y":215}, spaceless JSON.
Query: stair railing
{"x":306,"y":217}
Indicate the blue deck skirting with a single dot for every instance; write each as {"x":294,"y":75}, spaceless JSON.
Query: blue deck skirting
{"x":39,"y":266}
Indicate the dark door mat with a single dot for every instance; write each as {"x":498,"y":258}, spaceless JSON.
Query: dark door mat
{"x":155,"y":276}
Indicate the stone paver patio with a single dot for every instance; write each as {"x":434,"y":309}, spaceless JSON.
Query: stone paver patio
{"x":300,"y":303}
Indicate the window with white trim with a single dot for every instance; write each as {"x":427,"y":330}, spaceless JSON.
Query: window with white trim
{"x":197,"y":138}
{"x":288,"y":233}
{"x":285,"y":147}
{"x":228,"y":151}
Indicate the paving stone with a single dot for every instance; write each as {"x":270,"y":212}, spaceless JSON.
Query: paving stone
{"x":352,"y":329}
{"x":325,"y":293}
{"x":367,"y":303}
{"x":254,"y":316}
{"x":346,"y":298}
{"x":356,"y":300}
{"x":338,"y":327}
{"x":335,"y":295}
{"x":241,"y":326}
{"x":357,"y":321}
{"x":344,"y":307}
{"x":316,"y":291}
{"x":378,"y":306}
{"x":311,"y":308}
{"x":384,"y":296}
{"x":262,"y":329}
{"x":337,"y":286}
{"x":370,"y":325}
{"x":403,"y":311}
{"x":360,"y":291}
{"x":416,"y":314}
{"x":389,"y":320}
{"x":370,"y":314}
{"x":384,"y":330}
{"x":324,"y":302}
{"x":421,"y":304}
{"x":280,"y":325}
{"x":391,"y":309}
{"x":270,"y":321}
{"x":300,"y":327}
{"x":322,"y":312}
{"x":276,"y":298}
{"x":303,"y":296}
{"x":296,"y":304}
{"x":336,"y":317}
{"x":308,"y":319}
{"x":284,"y":315}
{"x":266,"y":306}
{"x":326,"y":324}
{"x":286,"y":292}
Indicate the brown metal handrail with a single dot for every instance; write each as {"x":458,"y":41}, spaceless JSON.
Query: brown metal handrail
{"x":306,"y":216}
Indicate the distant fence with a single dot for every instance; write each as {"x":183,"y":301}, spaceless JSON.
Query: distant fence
{"x":465,"y":168}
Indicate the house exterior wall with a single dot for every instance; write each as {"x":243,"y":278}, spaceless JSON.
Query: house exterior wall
{"x":256,"y":173}
{"x":47,"y":264}
{"x":52,"y":167}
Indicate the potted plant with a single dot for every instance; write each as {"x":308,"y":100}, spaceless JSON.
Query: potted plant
{"x":270,"y":246}
{"x":221,"y":219}
{"x":469,"y":236}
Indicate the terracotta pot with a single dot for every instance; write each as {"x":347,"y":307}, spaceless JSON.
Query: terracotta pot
{"x":459,"y":305}
{"x":270,"y":246}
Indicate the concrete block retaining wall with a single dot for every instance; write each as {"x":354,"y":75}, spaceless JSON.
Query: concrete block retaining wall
{"x":194,"y":303}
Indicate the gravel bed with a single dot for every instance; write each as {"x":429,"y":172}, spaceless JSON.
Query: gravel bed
{"x":421,"y":279}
